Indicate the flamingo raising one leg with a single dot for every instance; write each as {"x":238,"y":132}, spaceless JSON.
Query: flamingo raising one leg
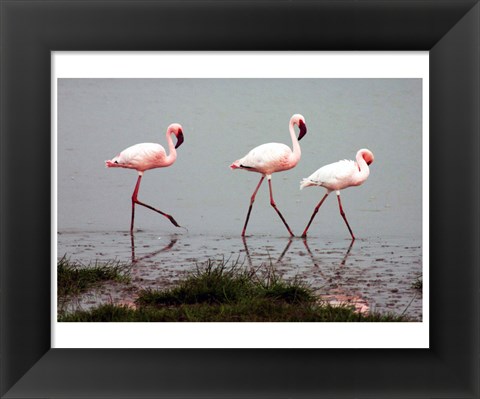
{"x":145,"y":156}
{"x":337,"y":176}
{"x":270,"y":158}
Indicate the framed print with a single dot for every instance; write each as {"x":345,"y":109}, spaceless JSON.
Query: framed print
{"x":387,"y":89}
{"x":38,"y":126}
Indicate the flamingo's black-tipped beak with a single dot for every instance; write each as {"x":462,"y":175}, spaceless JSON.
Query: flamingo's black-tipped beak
{"x":368,"y":157}
{"x":179,"y":139}
{"x":303,"y":129}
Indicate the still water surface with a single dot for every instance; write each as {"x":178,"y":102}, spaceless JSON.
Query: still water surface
{"x":222,"y":120}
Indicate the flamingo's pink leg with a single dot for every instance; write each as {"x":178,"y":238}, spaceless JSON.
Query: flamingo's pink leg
{"x":313,"y":214}
{"x":344,"y":217}
{"x":252,"y":199}
{"x":272,"y":202}
{"x":136,"y":201}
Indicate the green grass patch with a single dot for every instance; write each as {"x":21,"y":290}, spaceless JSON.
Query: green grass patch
{"x":218,"y":292}
{"x":220,"y":283}
{"x":73,"y":278}
{"x":255,"y":311}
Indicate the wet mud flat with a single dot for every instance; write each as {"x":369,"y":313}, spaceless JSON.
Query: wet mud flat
{"x":373,"y":274}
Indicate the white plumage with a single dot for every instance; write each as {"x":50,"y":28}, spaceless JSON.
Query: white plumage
{"x":145,"y":156}
{"x":142,"y":157}
{"x":338,"y":176}
{"x":270,"y":158}
{"x":267,"y":159}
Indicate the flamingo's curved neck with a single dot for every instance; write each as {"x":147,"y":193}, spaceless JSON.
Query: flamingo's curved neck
{"x":363,"y":168}
{"x":297,"y":152}
{"x":172,"y":155}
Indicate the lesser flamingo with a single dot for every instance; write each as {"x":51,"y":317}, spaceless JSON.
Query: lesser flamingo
{"x":145,"y":156}
{"x":270,"y":158}
{"x":338,"y":176}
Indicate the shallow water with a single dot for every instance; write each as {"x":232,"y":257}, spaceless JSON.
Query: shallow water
{"x":222,"y":120}
{"x":377,"y":273}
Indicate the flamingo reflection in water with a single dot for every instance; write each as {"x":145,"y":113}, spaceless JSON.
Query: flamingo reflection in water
{"x":173,"y":240}
{"x":279,"y":259}
{"x":337,"y":296}
{"x":130,"y":302}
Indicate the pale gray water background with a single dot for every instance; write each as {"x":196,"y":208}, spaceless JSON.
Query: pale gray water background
{"x":222,"y":120}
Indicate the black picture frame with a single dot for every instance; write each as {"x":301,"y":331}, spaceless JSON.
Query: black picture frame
{"x":30,"y":30}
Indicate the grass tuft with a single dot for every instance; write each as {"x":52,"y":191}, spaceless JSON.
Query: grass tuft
{"x":219,"y":292}
{"x":418,"y":285}
{"x":214,"y":282}
{"x":73,"y":278}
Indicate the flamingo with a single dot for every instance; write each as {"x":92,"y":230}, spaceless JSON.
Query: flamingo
{"x":270,"y":158}
{"x":145,"y":156}
{"x":338,"y":176}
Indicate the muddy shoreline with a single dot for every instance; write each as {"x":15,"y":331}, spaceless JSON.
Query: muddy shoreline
{"x":374,"y":274}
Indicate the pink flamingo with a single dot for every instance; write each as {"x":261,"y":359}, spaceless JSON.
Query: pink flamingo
{"x":270,"y":158}
{"x":337,"y":176}
{"x":145,"y":156}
